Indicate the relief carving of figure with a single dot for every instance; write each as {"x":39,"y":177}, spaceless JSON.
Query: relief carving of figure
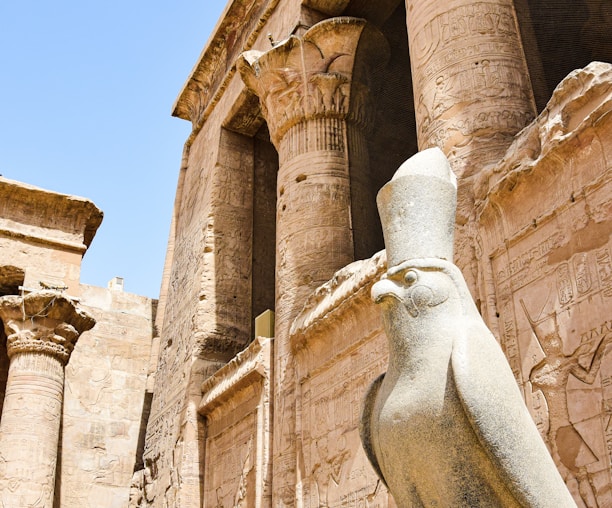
{"x":241,"y":495}
{"x":327,"y":471}
{"x":551,"y":375}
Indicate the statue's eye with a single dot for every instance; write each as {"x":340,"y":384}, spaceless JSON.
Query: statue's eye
{"x":410,"y":277}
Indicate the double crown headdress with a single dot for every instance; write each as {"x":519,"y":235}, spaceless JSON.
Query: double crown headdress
{"x":417,"y":209}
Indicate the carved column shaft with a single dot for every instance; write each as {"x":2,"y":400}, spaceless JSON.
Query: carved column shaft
{"x":322,"y":208}
{"x":472,"y":90}
{"x":314,"y":95}
{"x":313,"y":219}
{"x":41,"y":329}
{"x":29,"y":431}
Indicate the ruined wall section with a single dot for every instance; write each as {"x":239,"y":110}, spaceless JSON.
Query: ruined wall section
{"x":545,"y":243}
{"x":103,"y":400}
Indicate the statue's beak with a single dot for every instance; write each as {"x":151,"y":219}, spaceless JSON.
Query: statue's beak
{"x":385,"y":288}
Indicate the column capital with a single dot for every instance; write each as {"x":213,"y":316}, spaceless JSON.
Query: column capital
{"x":43,"y":321}
{"x":326,"y":73}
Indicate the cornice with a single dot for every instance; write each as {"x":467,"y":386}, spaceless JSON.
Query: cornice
{"x":45,"y":216}
{"x":215,"y":66}
{"x":349,"y":284}
{"x":249,"y":366}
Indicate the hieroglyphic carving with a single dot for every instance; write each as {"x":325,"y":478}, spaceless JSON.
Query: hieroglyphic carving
{"x":551,"y":376}
{"x":228,"y":482}
{"x":311,"y":88}
{"x":552,"y":301}
{"x":549,"y":243}
{"x":235,"y":404}
{"x":337,"y":473}
{"x":469,"y":75}
{"x":604,"y":271}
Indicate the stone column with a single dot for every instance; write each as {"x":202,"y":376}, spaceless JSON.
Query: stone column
{"x":472,"y":91}
{"x":42,"y":328}
{"x":313,"y":93}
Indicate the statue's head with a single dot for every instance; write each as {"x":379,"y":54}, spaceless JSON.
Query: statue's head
{"x":420,"y":284}
{"x":417,"y":211}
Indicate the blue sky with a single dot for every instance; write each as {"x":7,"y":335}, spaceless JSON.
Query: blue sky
{"x":86,"y":92}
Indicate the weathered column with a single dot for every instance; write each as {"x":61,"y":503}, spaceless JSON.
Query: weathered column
{"x":41,"y":328}
{"x":313,"y":93}
{"x":472,"y":91}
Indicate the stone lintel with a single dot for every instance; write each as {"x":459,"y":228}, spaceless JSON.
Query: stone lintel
{"x":250,"y":366}
{"x":43,"y":216}
{"x":43,"y":321}
{"x":41,"y":236}
{"x":349,"y":286}
{"x":215,"y":66}
{"x":581,"y":100}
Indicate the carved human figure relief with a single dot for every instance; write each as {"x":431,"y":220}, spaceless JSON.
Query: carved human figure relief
{"x":240,"y":496}
{"x":550,"y":376}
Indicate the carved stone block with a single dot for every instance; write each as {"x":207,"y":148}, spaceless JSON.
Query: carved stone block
{"x":546,"y":265}
{"x":236,"y":405}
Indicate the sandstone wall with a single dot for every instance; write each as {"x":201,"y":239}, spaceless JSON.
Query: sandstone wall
{"x":43,"y":237}
{"x":103,"y":400}
{"x":215,"y":281}
{"x":544,"y":261}
{"x":209,"y":308}
{"x":44,"y":234}
{"x":340,"y":347}
{"x":545,"y":242}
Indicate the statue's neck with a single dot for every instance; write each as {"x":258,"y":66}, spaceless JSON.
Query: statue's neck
{"x":417,"y":343}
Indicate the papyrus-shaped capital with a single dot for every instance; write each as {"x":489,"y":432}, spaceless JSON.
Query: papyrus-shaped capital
{"x":326,"y":73}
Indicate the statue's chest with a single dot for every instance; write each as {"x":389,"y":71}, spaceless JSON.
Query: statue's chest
{"x":414,"y":405}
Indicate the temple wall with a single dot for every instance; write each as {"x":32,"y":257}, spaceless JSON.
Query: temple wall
{"x":545,"y":229}
{"x":340,"y":348}
{"x":44,"y":264}
{"x":238,"y":420}
{"x":45,"y":234}
{"x":210,"y":296}
{"x":208,"y":439}
{"x":104,"y":400}
{"x":207,"y":314}
{"x":90,"y":399}
{"x":236,"y":407}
